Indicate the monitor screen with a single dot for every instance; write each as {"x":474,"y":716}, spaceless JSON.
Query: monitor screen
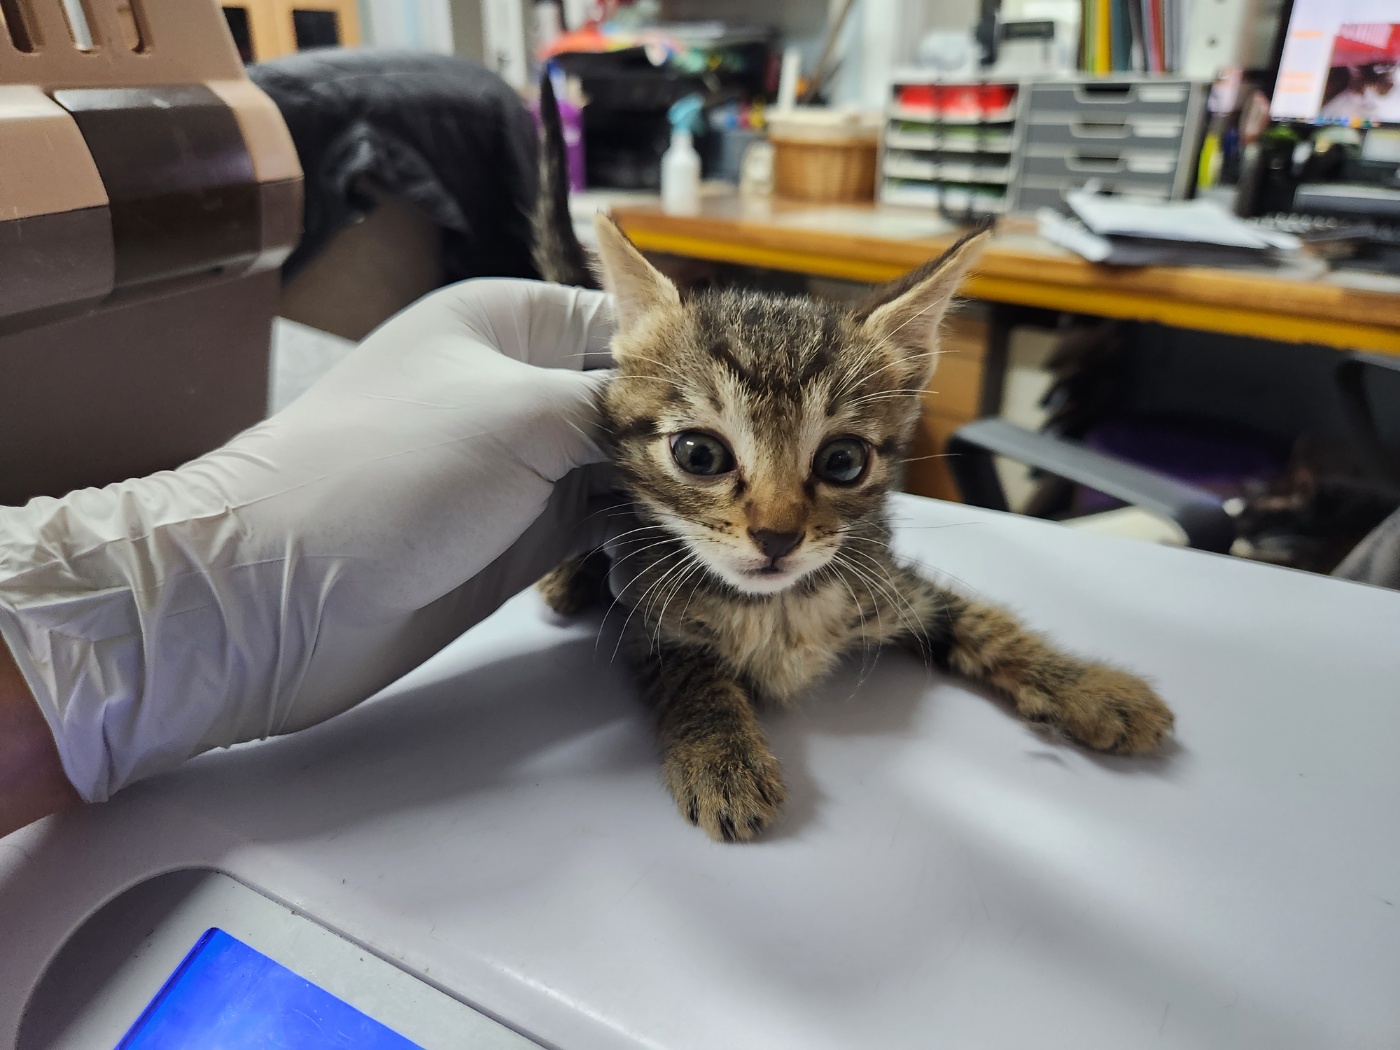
{"x":1338,"y":63}
{"x":227,"y":996}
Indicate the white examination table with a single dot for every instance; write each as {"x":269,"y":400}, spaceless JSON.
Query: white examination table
{"x":495,"y":824}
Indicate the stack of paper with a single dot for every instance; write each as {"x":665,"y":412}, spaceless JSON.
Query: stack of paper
{"x":1124,"y":231}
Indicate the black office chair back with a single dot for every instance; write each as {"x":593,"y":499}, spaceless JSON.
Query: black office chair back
{"x":1358,"y":378}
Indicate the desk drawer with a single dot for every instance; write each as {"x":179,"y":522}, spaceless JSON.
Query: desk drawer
{"x":1064,"y":132}
{"x":1050,"y":193}
{"x":1082,"y":164}
{"x":1100,"y":99}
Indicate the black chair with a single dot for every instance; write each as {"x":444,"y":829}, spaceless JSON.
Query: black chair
{"x":972,"y":448}
{"x":1351,"y":376}
{"x":1200,"y":514}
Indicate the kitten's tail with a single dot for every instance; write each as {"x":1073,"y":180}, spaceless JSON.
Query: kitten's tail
{"x":558,"y":255}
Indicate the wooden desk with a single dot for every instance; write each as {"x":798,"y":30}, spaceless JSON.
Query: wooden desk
{"x":875,"y":243}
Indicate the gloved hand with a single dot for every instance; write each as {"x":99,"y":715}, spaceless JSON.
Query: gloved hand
{"x":317,"y":557}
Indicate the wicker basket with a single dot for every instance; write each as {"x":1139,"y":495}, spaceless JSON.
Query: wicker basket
{"x":824,"y":156}
{"x":824,"y":171}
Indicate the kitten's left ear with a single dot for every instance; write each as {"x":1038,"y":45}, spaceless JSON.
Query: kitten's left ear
{"x":906,"y":313}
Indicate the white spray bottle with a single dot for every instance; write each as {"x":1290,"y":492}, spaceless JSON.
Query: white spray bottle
{"x":680,"y":165}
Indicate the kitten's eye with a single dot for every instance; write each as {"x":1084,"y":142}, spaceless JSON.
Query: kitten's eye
{"x":700,"y":453}
{"x":841,"y":462}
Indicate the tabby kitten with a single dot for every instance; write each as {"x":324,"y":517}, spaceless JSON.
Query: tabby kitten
{"x":759,"y":437}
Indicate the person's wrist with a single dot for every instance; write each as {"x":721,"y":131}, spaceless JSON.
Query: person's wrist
{"x":32,"y":781}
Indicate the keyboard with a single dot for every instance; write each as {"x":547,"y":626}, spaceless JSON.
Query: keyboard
{"x":1347,"y":243}
{"x":1326,"y":227}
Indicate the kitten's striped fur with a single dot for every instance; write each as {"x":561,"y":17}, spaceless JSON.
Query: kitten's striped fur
{"x":775,"y":377}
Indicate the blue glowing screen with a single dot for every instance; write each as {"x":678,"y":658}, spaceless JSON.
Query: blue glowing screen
{"x":226,"y":996}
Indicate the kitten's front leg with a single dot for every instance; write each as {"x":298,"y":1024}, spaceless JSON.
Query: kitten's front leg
{"x":1099,"y":706}
{"x":714,"y":756}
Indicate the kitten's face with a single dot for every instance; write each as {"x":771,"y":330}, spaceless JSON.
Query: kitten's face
{"x":758,"y":428}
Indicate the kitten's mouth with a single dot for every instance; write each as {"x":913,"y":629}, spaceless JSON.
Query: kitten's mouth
{"x":770,"y":578}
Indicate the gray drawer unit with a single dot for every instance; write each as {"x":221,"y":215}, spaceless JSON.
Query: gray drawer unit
{"x":1132,"y":136}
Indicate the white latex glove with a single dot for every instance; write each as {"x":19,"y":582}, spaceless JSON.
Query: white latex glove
{"x":315,"y":558}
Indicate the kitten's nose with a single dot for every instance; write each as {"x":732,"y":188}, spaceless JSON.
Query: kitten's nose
{"x":775,"y":544}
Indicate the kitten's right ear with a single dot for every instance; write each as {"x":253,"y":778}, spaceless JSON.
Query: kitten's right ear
{"x":637,"y":287}
{"x":907,"y":313}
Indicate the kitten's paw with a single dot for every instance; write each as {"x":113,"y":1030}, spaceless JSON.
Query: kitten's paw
{"x":569,"y":588}
{"x":1111,"y":710}
{"x":731,"y":789}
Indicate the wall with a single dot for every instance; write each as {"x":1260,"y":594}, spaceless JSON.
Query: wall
{"x":413,"y":25}
{"x":879,"y":34}
{"x":467,"y":37}
{"x":883,"y":35}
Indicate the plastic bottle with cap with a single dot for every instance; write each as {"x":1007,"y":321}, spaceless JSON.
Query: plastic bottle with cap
{"x":680,"y":165}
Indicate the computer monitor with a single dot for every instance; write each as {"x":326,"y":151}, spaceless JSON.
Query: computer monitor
{"x":1339,"y":63}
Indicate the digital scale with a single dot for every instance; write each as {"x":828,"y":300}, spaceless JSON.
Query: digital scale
{"x":485,"y":856}
{"x":221,"y":986}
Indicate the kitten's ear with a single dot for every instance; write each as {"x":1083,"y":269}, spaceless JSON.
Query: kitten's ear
{"x":637,"y":286}
{"x":906,"y":313}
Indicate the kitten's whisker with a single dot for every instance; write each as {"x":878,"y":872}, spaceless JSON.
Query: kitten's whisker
{"x":663,"y":365}
{"x":680,"y":381}
{"x":684,"y":554}
{"x":864,"y":634}
{"x":938,"y":303}
{"x":946,"y":525}
{"x":622,"y":557}
{"x":603,"y":623}
{"x":633,"y":532}
{"x":649,"y":567}
{"x":610,"y":509}
{"x":888,"y":548}
{"x":623,"y":540}
{"x":898,"y":360}
{"x":891,"y":592}
{"x":626,"y":556}
{"x":866,"y":400}
{"x":677,"y":575}
{"x":635,"y":556}
{"x":967,"y":586}
{"x":658,"y":591}
{"x":957,"y":579}
{"x":902,"y":360}
{"x":873,"y":590}
{"x":661,"y":619}
{"x":920,"y":459}
{"x":634,"y":377}
{"x":880,"y":545}
{"x":618,"y":599}
{"x":852,"y":567}
{"x":854,"y":378}
{"x":693,"y":588}
{"x":902,"y":391}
